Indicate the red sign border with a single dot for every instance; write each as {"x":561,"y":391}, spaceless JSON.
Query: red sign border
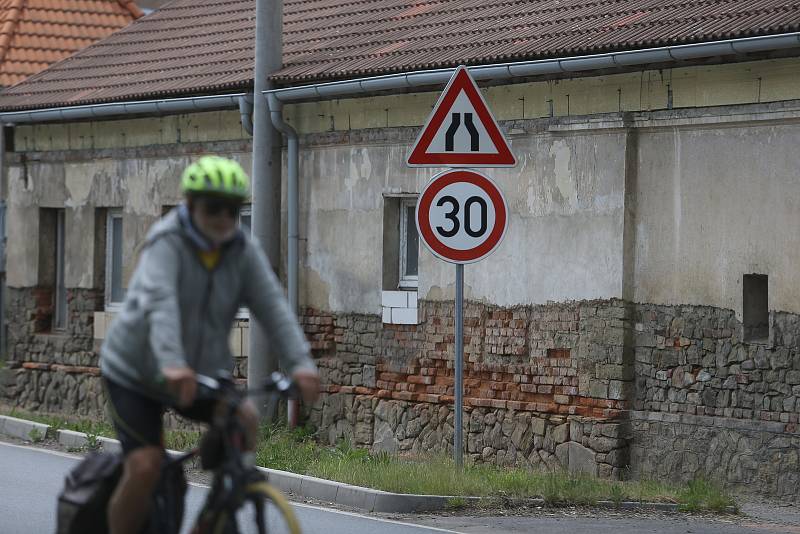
{"x":461,"y":81}
{"x":439,"y":249}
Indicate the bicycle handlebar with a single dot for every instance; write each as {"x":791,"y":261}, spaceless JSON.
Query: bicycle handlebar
{"x":277,"y":383}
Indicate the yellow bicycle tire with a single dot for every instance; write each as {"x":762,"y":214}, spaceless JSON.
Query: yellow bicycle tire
{"x":272,"y":494}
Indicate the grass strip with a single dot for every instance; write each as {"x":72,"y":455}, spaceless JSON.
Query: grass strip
{"x":296,"y":451}
{"x":93,"y":428}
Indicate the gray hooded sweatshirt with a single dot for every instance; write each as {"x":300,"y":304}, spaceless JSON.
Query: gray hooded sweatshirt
{"x":177,"y":312}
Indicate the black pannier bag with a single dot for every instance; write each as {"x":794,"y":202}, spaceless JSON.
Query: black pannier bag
{"x":87,"y":489}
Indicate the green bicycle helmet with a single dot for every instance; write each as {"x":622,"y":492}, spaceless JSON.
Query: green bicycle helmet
{"x":213,"y":175}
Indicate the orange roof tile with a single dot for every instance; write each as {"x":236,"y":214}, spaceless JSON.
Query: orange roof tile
{"x":37,"y":33}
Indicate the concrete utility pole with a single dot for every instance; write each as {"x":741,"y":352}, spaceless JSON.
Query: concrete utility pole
{"x":266,"y":215}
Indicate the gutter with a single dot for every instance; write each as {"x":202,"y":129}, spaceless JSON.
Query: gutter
{"x":523,"y":69}
{"x":392,"y":82}
{"x":139,"y":107}
{"x":415,"y":79}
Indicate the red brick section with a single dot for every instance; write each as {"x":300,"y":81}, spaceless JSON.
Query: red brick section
{"x":512,"y":359}
{"x":548,"y":385}
{"x":506,"y":332}
{"x":71,"y":369}
{"x":320,"y":330}
{"x":43,"y":314}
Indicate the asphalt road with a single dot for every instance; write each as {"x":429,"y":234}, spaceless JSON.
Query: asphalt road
{"x":30,"y":480}
{"x":563,"y":524}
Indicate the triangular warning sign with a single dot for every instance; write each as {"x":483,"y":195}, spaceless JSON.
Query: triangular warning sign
{"x":461,"y":131}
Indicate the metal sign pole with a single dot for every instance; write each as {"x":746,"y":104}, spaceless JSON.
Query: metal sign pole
{"x":458,"y":446}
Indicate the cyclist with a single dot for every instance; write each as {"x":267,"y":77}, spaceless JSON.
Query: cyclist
{"x":196,"y":269}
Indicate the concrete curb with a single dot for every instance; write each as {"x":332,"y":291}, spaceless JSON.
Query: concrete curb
{"x":22,"y":429}
{"x":367,"y":499}
{"x":72,"y":439}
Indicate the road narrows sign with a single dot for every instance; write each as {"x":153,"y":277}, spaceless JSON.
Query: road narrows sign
{"x":461,"y":131}
{"x":461,"y":216}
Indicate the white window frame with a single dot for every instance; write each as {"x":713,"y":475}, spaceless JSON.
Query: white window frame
{"x":246,"y":209}
{"x":406,"y":282}
{"x":115,"y":213}
{"x":60,"y":293}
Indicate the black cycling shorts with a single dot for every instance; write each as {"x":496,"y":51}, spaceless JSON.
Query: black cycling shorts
{"x":138,"y":419}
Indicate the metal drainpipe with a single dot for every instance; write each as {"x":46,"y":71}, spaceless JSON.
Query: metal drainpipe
{"x":292,"y":154}
{"x":246,"y":113}
{"x":3,"y":200}
{"x":293,"y":215}
{"x":266,"y":217}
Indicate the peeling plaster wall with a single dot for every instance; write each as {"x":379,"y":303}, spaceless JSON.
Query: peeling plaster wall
{"x":139,"y":186}
{"x":714,"y":204}
{"x":563,"y":242}
{"x":567,"y":195}
{"x":691,"y":87}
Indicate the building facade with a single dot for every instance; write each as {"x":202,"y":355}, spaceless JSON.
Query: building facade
{"x":640,"y":319}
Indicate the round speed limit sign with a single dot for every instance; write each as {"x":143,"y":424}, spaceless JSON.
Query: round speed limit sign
{"x":461,"y":216}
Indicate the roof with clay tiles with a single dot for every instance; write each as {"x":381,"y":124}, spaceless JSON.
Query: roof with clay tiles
{"x":34,"y":34}
{"x":200,"y":47}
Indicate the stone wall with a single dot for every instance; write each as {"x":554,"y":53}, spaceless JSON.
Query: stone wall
{"x":544,"y":386}
{"x":605,"y":387}
{"x":756,"y":457}
{"x":496,"y":436}
{"x":709,"y":404}
{"x":562,"y":358}
{"x":31,"y":337}
{"x":52,"y":370}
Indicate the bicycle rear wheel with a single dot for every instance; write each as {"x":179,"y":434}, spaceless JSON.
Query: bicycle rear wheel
{"x":266,"y":510}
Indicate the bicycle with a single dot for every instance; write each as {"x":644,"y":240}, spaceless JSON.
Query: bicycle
{"x":235,"y":483}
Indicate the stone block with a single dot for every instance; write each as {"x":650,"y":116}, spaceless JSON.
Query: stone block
{"x":562,"y":454}
{"x":99,"y":325}
{"x":617,"y":390}
{"x":561,"y":433}
{"x":235,"y":341}
{"x":598,"y":389}
{"x":539,"y":426}
{"x":385,"y":439}
{"x":575,"y":431}
{"x":394,"y":299}
{"x":579,"y":458}
{"x":404,"y":316}
{"x":603,"y":444}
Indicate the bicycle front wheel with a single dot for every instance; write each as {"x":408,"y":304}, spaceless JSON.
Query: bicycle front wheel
{"x":266,"y":510}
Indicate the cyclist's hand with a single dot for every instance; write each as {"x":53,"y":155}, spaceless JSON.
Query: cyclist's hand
{"x":308,"y":382}
{"x":182,"y":383}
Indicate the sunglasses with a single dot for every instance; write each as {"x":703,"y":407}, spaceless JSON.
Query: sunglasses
{"x":215,"y":206}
